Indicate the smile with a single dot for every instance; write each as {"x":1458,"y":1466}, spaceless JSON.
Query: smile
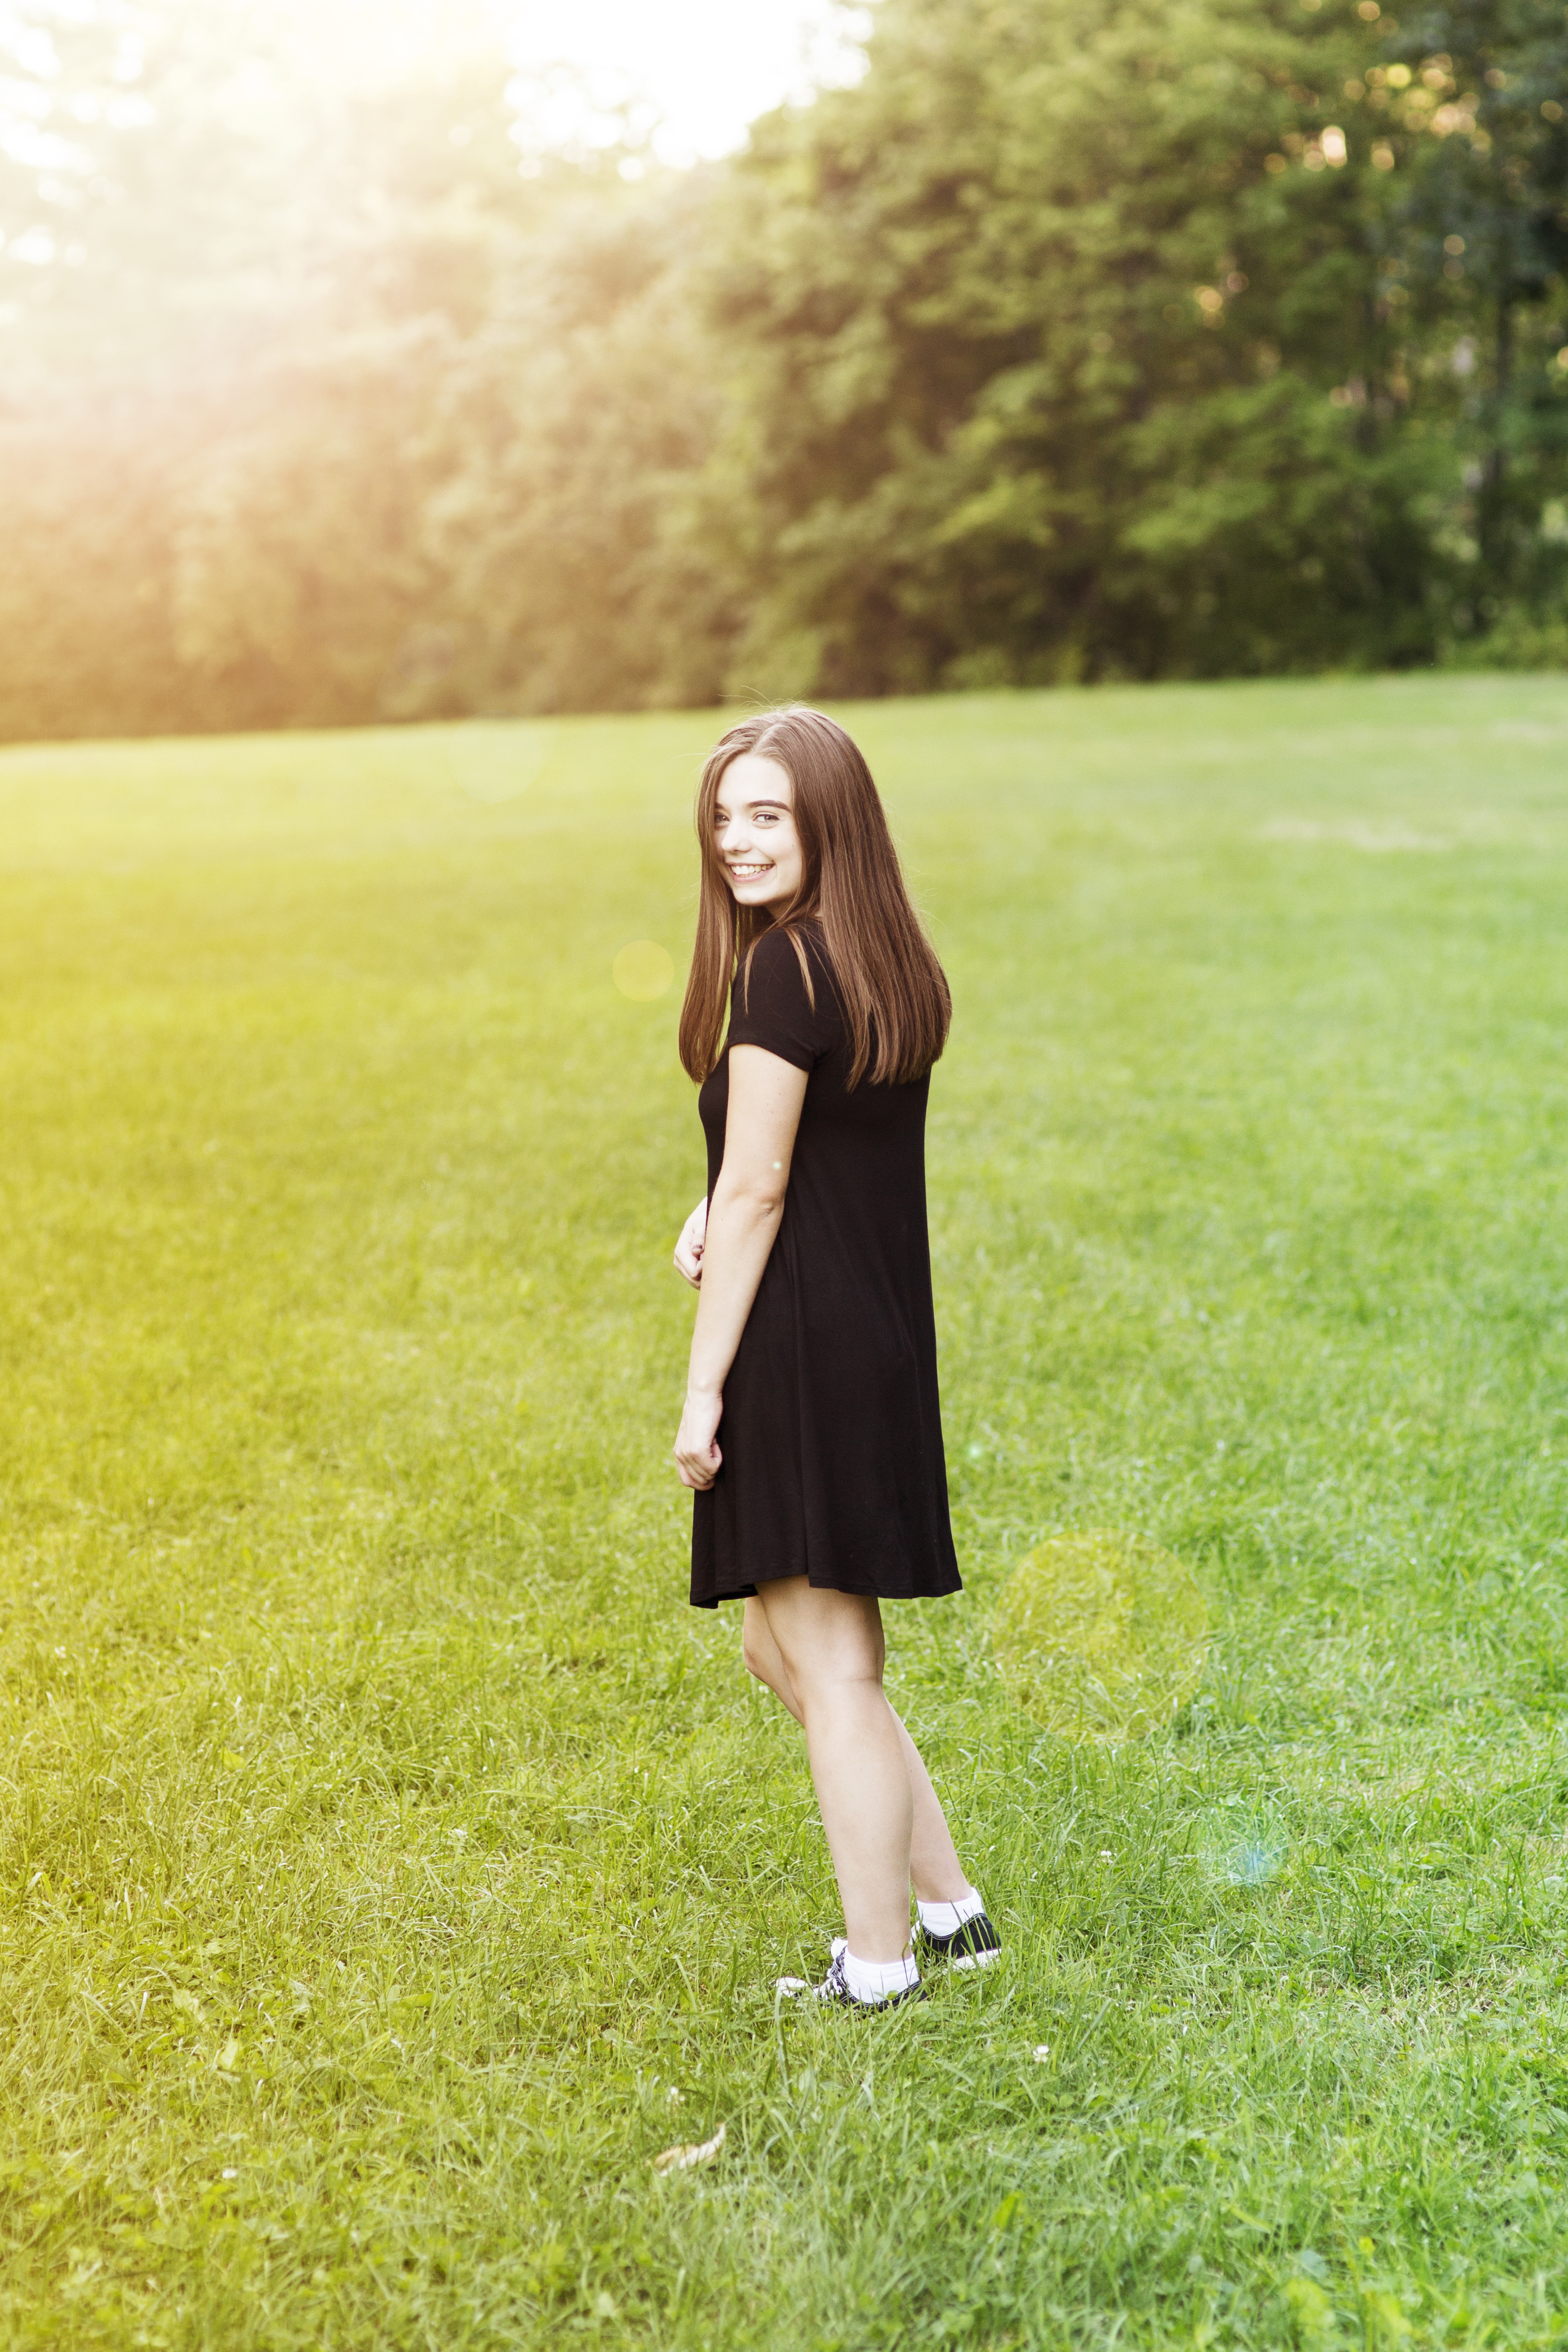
{"x":749,"y":873}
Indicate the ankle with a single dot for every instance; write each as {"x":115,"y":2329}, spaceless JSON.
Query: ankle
{"x":946,"y":1918}
{"x":876,"y":1979}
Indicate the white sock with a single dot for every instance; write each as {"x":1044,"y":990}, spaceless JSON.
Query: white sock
{"x":947,"y":1918}
{"x":875,"y":1979}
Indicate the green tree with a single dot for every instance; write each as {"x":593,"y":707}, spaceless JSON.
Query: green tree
{"x":183,"y":183}
{"x":1084,"y":341}
{"x":1476,"y":93}
{"x":266,"y":361}
{"x":1128,"y":338}
{"x":575,"y":430}
{"x":301,"y":591}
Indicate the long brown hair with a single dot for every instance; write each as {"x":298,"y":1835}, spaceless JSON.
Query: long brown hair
{"x":893,"y":992}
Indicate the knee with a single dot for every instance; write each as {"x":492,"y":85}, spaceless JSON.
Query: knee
{"x":835,"y":1683}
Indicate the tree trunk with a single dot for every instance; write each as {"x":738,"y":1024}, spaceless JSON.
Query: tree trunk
{"x":1493,"y":532}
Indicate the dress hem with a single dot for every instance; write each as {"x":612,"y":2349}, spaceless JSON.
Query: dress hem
{"x":829,"y":1584}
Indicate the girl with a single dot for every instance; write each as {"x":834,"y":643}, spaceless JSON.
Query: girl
{"x":812,"y":1432}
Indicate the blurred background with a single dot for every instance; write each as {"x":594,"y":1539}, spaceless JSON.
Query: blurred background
{"x":394,"y":362}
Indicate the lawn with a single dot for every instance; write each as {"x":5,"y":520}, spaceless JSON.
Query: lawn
{"x":393,"y":1865}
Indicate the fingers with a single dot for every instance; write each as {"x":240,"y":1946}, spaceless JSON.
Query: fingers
{"x":696,"y":1449}
{"x":689,"y":1249}
{"x":697,"y":1470}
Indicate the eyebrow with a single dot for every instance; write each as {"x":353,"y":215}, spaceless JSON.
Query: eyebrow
{"x":717,"y":805}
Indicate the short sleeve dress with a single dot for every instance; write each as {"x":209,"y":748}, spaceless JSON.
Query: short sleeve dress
{"x":831,"y":1435}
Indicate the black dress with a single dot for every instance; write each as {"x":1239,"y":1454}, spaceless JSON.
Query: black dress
{"x":831,"y":1434}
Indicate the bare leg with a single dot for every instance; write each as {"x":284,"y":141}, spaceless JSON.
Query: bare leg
{"x":934,"y":1867}
{"x":831,"y":1644}
{"x":760,"y":1655}
{"x":821,"y":1654}
{"x":935,"y":1871}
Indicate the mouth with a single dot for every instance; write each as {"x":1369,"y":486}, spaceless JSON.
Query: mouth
{"x":750,"y":873}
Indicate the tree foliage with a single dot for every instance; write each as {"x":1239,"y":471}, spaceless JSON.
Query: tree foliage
{"x":1117,"y":339}
{"x":1128,"y":338}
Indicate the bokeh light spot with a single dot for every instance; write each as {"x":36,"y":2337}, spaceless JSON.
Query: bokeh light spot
{"x":1254,"y":1862}
{"x":643,"y":971}
{"x":1100,"y":1635}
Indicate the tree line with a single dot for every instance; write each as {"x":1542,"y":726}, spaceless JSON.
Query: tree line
{"x":1125,"y":339}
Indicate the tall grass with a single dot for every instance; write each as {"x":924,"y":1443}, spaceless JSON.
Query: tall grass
{"x":393,"y":1865}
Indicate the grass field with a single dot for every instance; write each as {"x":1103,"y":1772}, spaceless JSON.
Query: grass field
{"x":394,"y":1864}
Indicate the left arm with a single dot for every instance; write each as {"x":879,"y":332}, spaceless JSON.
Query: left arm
{"x":744,"y":1218}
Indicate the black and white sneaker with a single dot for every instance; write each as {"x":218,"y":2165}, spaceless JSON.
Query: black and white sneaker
{"x":835,"y":1989}
{"x":973,"y":1944}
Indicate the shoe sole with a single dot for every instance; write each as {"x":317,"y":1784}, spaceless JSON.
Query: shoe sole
{"x":791,"y":1988}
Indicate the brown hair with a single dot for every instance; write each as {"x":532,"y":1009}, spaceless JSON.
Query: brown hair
{"x":893,"y":992}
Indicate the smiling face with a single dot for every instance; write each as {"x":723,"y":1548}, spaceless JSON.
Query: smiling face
{"x":754,"y":837}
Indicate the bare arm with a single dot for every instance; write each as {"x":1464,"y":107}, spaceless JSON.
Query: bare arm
{"x":744,"y":1216}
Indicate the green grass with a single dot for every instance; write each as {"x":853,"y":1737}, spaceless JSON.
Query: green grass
{"x":386,"y":1842}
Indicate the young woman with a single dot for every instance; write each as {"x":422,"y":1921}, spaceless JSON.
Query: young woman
{"x":812,"y":1433}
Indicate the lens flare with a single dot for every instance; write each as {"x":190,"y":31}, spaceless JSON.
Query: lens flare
{"x":1100,"y":1635}
{"x":643,"y":971}
{"x":1255,"y":1861}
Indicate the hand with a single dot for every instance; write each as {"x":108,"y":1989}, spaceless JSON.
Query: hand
{"x":688,"y":1248}
{"x":696,"y":1455}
